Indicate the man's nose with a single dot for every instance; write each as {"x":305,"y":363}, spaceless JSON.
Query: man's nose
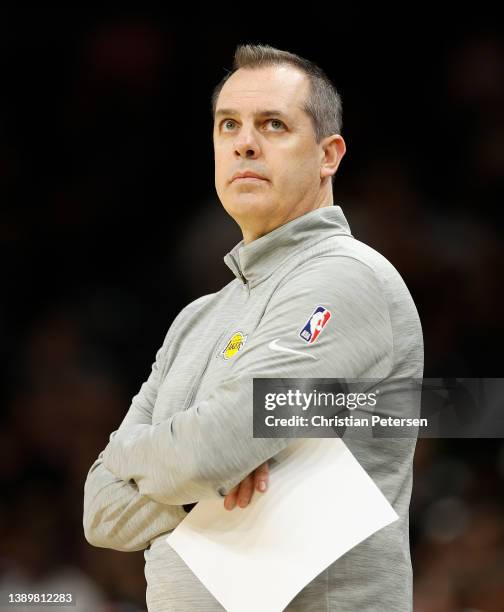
{"x":246,"y":144}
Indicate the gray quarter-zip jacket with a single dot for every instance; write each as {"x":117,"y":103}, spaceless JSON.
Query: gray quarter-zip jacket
{"x":187,"y":435}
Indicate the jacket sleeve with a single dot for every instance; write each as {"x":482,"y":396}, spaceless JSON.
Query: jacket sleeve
{"x":204,"y":451}
{"x":116,"y":514}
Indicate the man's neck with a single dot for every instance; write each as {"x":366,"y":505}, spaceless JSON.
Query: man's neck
{"x":253,"y":232}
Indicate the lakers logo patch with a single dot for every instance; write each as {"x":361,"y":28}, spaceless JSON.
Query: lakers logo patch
{"x":315,"y":324}
{"x":234,"y":345}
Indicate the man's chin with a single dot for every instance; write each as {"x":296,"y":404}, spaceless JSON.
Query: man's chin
{"x":246,"y":205}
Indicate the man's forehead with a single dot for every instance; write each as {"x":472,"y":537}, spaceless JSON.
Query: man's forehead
{"x":248,"y":91}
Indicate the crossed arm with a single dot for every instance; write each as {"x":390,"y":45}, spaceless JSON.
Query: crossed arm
{"x":116,"y":515}
{"x":135,"y":489}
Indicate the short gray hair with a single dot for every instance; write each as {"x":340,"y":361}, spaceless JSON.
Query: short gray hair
{"x":323,"y":105}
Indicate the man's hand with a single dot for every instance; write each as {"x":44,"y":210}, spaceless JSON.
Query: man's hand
{"x":243,"y":491}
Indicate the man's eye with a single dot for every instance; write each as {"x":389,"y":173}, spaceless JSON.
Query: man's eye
{"x":227,"y":122}
{"x":277,"y":121}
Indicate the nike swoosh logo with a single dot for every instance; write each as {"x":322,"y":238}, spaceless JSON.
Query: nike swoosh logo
{"x":274,"y":346}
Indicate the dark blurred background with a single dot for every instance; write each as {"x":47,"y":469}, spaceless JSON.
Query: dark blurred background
{"x":110,"y":224}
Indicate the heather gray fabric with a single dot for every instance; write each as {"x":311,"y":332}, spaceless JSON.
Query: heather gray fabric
{"x":188,"y":433}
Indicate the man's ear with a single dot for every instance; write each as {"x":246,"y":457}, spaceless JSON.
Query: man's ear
{"x":333,"y":150}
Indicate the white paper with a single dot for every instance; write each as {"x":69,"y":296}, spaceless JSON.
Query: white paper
{"x":320,"y":503}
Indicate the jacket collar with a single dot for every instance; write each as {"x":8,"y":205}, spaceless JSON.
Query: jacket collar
{"x":256,"y":261}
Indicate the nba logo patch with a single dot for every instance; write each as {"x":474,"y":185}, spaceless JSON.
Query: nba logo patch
{"x":315,"y":324}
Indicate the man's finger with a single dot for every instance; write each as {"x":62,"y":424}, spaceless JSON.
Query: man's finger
{"x":246,"y":490}
{"x":261,"y":477}
{"x":230,"y":499}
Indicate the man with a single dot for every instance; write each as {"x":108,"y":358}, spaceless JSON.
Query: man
{"x":188,"y":433}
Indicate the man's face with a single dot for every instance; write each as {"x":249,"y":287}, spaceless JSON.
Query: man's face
{"x":260,"y":126}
